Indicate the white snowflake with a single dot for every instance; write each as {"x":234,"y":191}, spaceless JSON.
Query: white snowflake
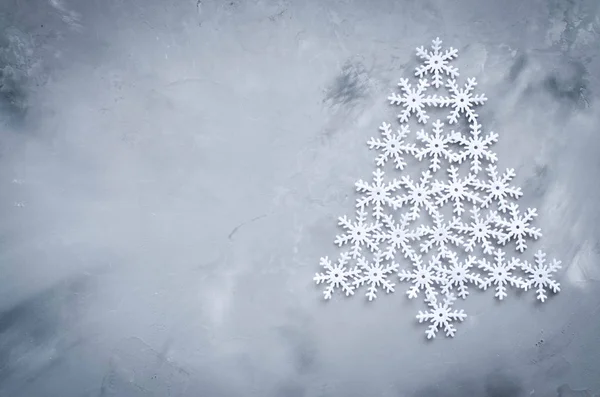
{"x":440,"y":234}
{"x":413,"y":100}
{"x":500,"y":274}
{"x":456,"y":190}
{"x":337,"y":275}
{"x":392,"y":146}
{"x":435,"y":63}
{"x":461,"y":100}
{"x":441,"y":315}
{"x":476,"y":147}
{"x":540,"y":275}
{"x":481,"y":231}
{"x":420,"y":195}
{"x":497,"y":188}
{"x":424,"y":277}
{"x":375,"y":275}
{"x":458,"y":274}
{"x":436,"y":145}
{"x":398,"y":236}
{"x":377,"y":193}
{"x":358,"y":233}
{"x":518,"y":227}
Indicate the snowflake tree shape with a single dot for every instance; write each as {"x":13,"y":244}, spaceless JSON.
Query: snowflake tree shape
{"x":461,"y":100}
{"x":440,"y":235}
{"x":398,"y":236}
{"x":476,"y":147}
{"x":358,"y":233}
{"x":392,"y":146}
{"x":497,"y":188}
{"x":518,"y":227}
{"x":436,"y":146}
{"x":500,"y":274}
{"x":375,"y":275}
{"x":413,"y":100}
{"x":441,"y":315}
{"x":420,"y":195}
{"x":540,"y":275}
{"x":458,"y":274}
{"x":481,"y":231}
{"x":377,"y":193}
{"x":424,"y":277}
{"x":456,"y":190}
{"x":337,"y":275}
{"x":436,"y":62}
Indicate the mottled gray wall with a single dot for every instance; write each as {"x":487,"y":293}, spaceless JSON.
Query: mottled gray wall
{"x":171,"y":171}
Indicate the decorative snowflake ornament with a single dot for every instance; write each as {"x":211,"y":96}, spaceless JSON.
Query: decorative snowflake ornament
{"x":398,"y":236}
{"x":456,"y":190}
{"x":420,"y":195}
{"x":375,"y":275}
{"x":392,"y":146}
{"x":436,"y":146}
{"x":481,"y":231}
{"x":436,"y":62}
{"x":424,"y":277}
{"x":413,"y":100}
{"x":497,"y":188}
{"x":378,"y":194}
{"x":518,"y":227}
{"x":441,"y":316}
{"x":358,"y":233}
{"x":440,"y":235}
{"x":462,"y":101}
{"x":540,"y":275}
{"x":458,"y":275}
{"x":476,"y":147}
{"x":500,"y":274}
{"x":337,"y":275}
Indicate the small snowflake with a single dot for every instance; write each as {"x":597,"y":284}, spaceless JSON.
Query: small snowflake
{"x":440,"y":234}
{"x":392,"y":146}
{"x":540,"y":275}
{"x":476,"y":147}
{"x":518,"y":227}
{"x":441,"y":315}
{"x":413,"y":100}
{"x":358,"y":233}
{"x":375,"y":274}
{"x":436,"y":146}
{"x":481,"y":231}
{"x":458,"y":275}
{"x":378,"y":193}
{"x":419,"y":195}
{"x":461,"y":100}
{"x":500,"y":274}
{"x":456,"y":190}
{"x":497,"y":188}
{"x":435,"y":62}
{"x":337,"y":275}
{"x":423,"y":277}
{"x":398,"y":236}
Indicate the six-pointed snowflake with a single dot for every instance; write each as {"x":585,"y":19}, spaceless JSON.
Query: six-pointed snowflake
{"x":385,"y":228}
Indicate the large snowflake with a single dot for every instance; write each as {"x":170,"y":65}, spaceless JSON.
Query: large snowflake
{"x":540,"y":275}
{"x":501,"y":274}
{"x":518,"y":227}
{"x":436,"y":146}
{"x":424,"y":277}
{"x":481,"y":231}
{"x":458,"y":275}
{"x":420,"y":195}
{"x":456,"y":190}
{"x":497,"y":188}
{"x":476,"y":147}
{"x":337,"y":275}
{"x":392,"y":146}
{"x":440,"y":235}
{"x":436,"y":62}
{"x":441,"y":316}
{"x":413,"y":100}
{"x":461,"y":100}
{"x":375,"y":275}
{"x":378,"y":194}
{"x":358,"y":233}
{"x":398,"y":235}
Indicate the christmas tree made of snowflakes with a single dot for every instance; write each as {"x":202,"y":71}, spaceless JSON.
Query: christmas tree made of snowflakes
{"x":448,"y":228}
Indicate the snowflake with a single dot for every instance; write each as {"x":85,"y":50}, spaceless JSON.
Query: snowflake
{"x":337,"y":275}
{"x":518,"y":227}
{"x":413,"y":100}
{"x":481,"y":230}
{"x":441,"y":234}
{"x":398,"y":236}
{"x":476,"y":147}
{"x":358,"y":233}
{"x":500,"y":274}
{"x":540,"y":275}
{"x":423,"y":277}
{"x":456,"y":190}
{"x":392,"y":146}
{"x":378,"y":193}
{"x":461,"y":100}
{"x":375,"y":275}
{"x":458,"y":274}
{"x":436,"y":63}
{"x":497,"y":188}
{"x":419,"y":195}
{"x":441,"y":315}
{"x":436,"y":145}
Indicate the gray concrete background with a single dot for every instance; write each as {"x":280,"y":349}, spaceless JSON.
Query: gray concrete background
{"x":171,"y":171}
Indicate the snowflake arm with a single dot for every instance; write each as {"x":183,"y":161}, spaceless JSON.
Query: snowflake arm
{"x":413,"y":100}
{"x":435,"y":146}
{"x":441,"y":316}
{"x":422,"y":276}
{"x":457,"y":190}
{"x":458,"y":275}
{"x":497,"y":188}
{"x":420,"y":195}
{"x":461,"y":100}
{"x":500,"y":274}
{"x":378,"y":193}
{"x":398,"y":236}
{"x":357,"y":233}
{"x":337,"y":275}
{"x":480,"y":231}
{"x":476,"y":147}
{"x":440,"y":235}
{"x":518,"y":227}
{"x":540,"y":275}
{"x":375,"y":275}
{"x":392,"y":146}
{"x":435,"y":62}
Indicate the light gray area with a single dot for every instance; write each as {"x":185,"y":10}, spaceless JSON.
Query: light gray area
{"x":171,"y":171}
